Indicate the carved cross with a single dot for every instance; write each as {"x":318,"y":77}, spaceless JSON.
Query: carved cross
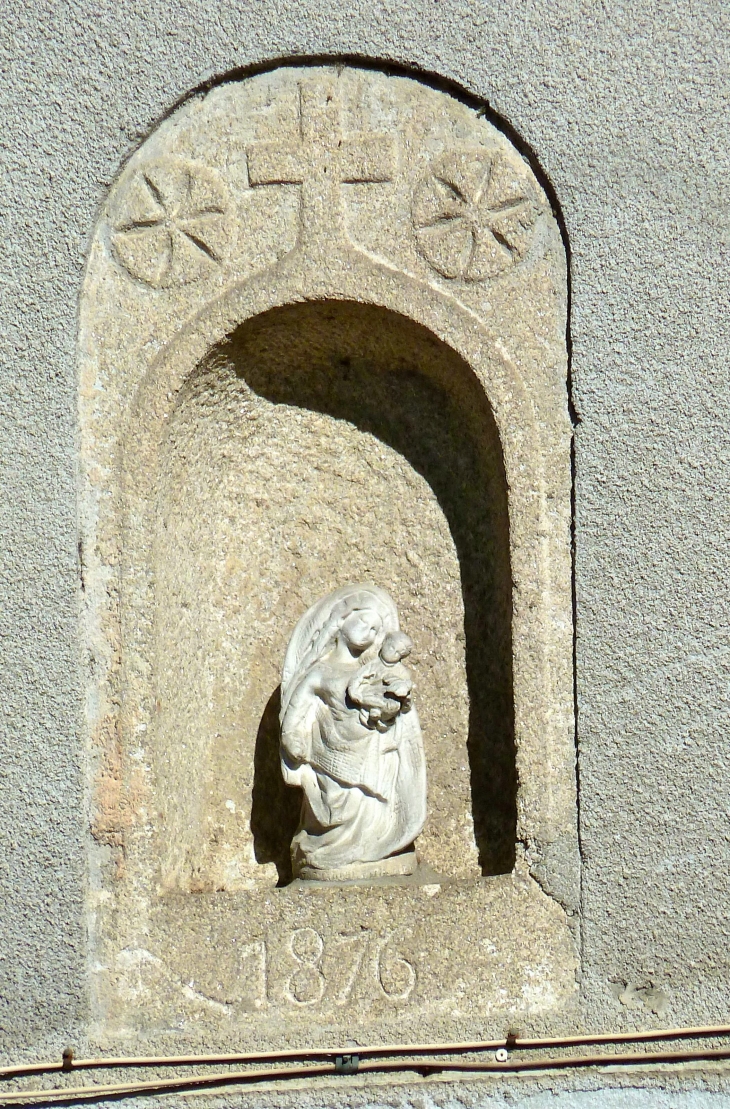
{"x":322,"y":159}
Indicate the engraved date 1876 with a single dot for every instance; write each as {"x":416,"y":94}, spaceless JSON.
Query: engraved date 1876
{"x":308,"y":969}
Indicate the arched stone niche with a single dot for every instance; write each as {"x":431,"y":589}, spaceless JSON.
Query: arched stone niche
{"x":323,"y":339}
{"x":324,"y":439}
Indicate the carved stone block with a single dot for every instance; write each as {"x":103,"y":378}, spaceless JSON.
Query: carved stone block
{"x":323,"y":341}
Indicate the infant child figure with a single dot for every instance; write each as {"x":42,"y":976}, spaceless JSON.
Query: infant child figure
{"x":382,"y":688}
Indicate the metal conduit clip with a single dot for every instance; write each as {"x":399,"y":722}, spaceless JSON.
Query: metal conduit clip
{"x":347,"y":1064}
{"x":502,"y":1053}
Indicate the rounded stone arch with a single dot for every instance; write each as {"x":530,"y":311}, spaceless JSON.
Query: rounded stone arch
{"x":165,"y":344}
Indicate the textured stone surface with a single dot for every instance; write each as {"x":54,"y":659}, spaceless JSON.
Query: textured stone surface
{"x":363,"y":964}
{"x":626,"y":110}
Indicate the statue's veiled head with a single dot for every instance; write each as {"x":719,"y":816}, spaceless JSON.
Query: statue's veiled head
{"x":363,"y":615}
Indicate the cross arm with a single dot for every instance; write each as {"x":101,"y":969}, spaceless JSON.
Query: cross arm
{"x":275,"y":163}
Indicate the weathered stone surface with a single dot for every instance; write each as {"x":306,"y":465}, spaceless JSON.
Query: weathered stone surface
{"x":386,"y":964}
{"x":363,"y":378}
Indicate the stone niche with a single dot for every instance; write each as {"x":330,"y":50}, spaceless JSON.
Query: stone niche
{"x":323,"y":340}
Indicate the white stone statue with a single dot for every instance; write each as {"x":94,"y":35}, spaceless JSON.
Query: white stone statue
{"x":351,"y":740}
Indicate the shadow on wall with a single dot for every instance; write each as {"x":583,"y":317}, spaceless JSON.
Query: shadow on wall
{"x":392,"y":378}
{"x":275,"y":806}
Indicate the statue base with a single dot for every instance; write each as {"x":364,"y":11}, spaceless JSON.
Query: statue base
{"x":396,"y":865}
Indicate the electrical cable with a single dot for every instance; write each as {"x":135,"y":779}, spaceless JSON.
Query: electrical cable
{"x":424,"y":1067}
{"x":369,"y":1052}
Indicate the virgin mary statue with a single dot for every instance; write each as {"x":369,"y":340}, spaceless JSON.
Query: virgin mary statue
{"x":351,"y":740}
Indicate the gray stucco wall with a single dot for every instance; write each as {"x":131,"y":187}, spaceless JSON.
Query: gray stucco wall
{"x":626,"y":109}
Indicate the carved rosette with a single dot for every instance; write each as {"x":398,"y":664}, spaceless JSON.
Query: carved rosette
{"x":474,"y":214}
{"x":173,"y":226}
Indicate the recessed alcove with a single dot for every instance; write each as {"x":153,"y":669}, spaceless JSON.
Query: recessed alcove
{"x":320,"y":443}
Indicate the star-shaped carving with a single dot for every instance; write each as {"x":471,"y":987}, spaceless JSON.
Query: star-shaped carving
{"x":173,"y":226}
{"x":473,"y":214}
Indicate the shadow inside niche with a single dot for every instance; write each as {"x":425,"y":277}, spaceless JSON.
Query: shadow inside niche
{"x":392,"y":378}
{"x":275,"y":806}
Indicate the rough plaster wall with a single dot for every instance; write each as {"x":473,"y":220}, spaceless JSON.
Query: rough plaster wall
{"x":626,"y":108}
{"x":625,"y":1097}
{"x":601,"y":1092}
